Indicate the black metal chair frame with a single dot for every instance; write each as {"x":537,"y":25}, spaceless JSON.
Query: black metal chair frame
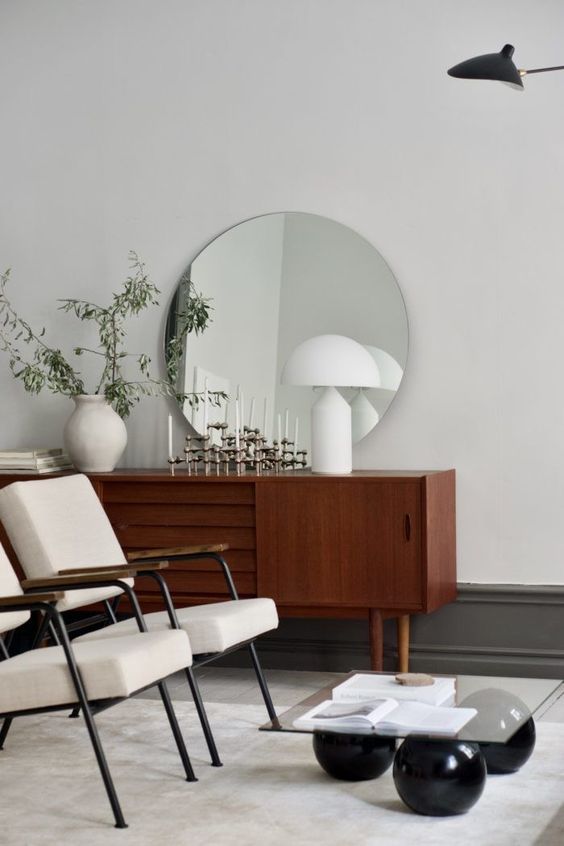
{"x":199,"y":660}
{"x":89,"y":708}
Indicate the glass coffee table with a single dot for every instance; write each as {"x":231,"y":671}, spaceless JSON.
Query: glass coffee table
{"x":434,"y":774}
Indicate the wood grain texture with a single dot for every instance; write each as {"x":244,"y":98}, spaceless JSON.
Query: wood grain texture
{"x":332,"y":543}
{"x":171,"y":552}
{"x":23,"y":601}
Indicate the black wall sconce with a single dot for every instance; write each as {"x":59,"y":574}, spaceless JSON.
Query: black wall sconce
{"x":499,"y":66}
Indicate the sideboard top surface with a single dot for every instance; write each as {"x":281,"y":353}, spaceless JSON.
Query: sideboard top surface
{"x":127,"y":475}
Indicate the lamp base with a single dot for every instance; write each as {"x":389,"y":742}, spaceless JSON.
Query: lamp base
{"x":331,"y":441}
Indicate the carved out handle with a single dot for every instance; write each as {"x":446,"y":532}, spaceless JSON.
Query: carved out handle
{"x":407,"y":527}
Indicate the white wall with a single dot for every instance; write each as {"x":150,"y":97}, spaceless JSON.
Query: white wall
{"x":155,"y":125}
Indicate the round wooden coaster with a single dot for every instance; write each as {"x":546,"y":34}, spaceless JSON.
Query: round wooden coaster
{"x":415,"y":679}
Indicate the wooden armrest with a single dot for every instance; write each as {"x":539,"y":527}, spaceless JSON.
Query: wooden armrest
{"x":16,"y":601}
{"x":137,"y":568}
{"x":91,"y":579}
{"x":175,"y":551}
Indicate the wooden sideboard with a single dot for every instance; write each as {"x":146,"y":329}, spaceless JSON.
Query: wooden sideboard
{"x":370,"y":545}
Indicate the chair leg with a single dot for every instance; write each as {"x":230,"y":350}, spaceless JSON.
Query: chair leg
{"x":89,"y":720}
{"x":40,"y":633}
{"x":4,"y":730}
{"x":110,"y":611}
{"x":54,"y":634}
{"x":262,"y":683}
{"x":197,"y":696}
{"x":103,"y":766}
{"x":165,"y":696}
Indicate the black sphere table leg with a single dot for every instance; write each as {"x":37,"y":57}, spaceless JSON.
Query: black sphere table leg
{"x":439,"y":777}
{"x":503,"y":758}
{"x":353,"y":757}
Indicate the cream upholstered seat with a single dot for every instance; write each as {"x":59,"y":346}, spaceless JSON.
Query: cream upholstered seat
{"x":40,"y":678}
{"x":211,"y":628}
{"x":100,"y":674}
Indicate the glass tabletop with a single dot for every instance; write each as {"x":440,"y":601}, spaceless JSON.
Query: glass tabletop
{"x":502,"y":706}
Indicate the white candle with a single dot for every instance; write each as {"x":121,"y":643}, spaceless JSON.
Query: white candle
{"x":237,"y":424}
{"x":226,"y":410}
{"x":242,"y":409}
{"x":252,"y":413}
{"x":279,"y":428}
{"x":206,"y":397}
{"x":170,"y":436}
{"x":286,"y":423}
{"x":264,"y":419}
{"x":296,"y":426}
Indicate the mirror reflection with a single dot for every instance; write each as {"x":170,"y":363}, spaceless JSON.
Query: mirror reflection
{"x":260,"y":289}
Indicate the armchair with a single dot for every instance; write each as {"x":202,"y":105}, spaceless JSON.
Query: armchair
{"x":92,"y":676}
{"x":58,"y":528}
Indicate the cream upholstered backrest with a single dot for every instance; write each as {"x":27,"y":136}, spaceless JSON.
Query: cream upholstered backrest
{"x":10,"y":586}
{"x":58,"y":524}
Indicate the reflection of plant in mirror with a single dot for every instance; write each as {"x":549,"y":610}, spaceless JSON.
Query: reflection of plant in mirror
{"x":193,"y":316}
{"x":47,"y":367}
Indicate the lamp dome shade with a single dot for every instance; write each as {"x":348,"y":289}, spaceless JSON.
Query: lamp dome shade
{"x":499,"y":66}
{"x":331,"y":360}
{"x":391,"y":372}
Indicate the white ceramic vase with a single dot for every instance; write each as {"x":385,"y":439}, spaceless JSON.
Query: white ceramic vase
{"x":95,"y":435}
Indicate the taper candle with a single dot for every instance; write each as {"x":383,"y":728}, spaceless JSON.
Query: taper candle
{"x":205,"y":432}
{"x":286,"y":417}
{"x":237,"y":424}
{"x":252,"y":413}
{"x":170,"y":436}
{"x":296,"y":427}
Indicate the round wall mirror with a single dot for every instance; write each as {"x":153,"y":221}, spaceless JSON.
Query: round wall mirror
{"x":260,"y":289}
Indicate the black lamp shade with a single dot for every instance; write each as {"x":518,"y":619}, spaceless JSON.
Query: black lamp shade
{"x":499,"y":66}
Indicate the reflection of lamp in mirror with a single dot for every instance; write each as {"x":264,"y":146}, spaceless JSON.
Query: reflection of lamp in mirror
{"x":364,"y":415}
{"x":331,"y":361}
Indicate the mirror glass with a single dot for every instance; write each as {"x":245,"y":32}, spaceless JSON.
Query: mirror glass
{"x":270,"y":283}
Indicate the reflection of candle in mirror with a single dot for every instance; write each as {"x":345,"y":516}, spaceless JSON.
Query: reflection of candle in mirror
{"x":170,"y":435}
{"x":296,"y":426}
{"x":237,"y":424}
{"x":252,"y":413}
{"x":264,"y":419}
{"x":286,"y":423}
{"x":205,"y":427}
{"x":226,"y":410}
{"x":279,"y":428}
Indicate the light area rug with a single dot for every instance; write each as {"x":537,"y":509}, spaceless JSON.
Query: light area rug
{"x":270,"y":791}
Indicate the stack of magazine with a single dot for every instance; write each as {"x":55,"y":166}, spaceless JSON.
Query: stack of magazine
{"x":365,"y":703}
{"x":33,"y":461}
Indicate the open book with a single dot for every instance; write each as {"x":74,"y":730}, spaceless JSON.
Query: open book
{"x":386,"y":716}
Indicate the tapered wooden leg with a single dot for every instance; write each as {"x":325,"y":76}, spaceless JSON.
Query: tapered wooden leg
{"x":376,"y":639}
{"x":403,"y":643}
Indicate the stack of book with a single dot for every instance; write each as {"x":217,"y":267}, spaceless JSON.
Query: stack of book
{"x":32,"y":461}
{"x":376,"y":702}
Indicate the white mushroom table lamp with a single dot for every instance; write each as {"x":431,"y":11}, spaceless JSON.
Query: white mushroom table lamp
{"x":331,"y":361}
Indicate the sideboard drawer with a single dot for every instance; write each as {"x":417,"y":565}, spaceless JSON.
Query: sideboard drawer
{"x":178,"y":490}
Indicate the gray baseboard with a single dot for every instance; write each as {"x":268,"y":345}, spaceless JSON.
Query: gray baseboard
{"x":502,"y":630}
